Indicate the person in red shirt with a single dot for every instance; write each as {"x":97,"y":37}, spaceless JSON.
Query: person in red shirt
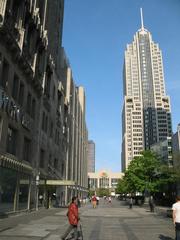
{"x":94,"y":201}
{"x":73,"y":217}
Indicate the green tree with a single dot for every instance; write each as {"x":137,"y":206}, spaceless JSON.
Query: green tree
{"x":122,"y":186}
{"x":146,"y":173}
{"x":102,"y":192}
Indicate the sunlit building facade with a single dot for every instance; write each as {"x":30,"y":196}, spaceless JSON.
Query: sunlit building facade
{"x":91,"y":156}
{"x":146,"y":116}
{"x":104,"y":179}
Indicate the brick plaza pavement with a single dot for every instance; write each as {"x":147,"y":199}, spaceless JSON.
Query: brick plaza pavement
{"x":108,"y":222}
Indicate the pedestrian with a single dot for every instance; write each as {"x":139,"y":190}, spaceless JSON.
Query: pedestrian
{"x":109,"y":199}
{"x":79,"y":202}
{"x":73,"y":218}
{"x":151,"y":203}
{"x":130,"y":203}
{"x":97,"y":200}
{"x":94,"y":201}
{"x":176,"y":217}
{"x":41,"y":199}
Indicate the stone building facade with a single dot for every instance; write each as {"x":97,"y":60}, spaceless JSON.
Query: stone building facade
{"x":35,"y":115}
{"x":77,"y":134}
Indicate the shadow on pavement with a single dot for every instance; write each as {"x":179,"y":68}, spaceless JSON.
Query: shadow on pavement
{"x":3,"y":215}
{"x":162,"y":237}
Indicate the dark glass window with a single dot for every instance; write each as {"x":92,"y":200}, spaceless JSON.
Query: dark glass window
{"x":47,"y":83}
{"x":27,"y":150}
{"x":44,"y":122}
{"x":42,"y":155}
{"x":21,"y":94}
{"x":51,"y":130}
{"x":15,"y":88}
{"x":54,"y":92}
{"x":33,"y":114}
{"x":62,"y":169}
{"x":28,"y":104}
{"x":55,"y":163}
{"x":5,"y":74}
{"x":12,"y":141}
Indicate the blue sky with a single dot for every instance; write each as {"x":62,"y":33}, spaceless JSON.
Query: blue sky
{"x":94,"y":37}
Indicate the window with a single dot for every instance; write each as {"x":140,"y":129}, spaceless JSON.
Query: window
{"x":42,"y":155}
{"x":27,"y":150}
{"x":55,"y":163}
{"x":15,"y":87}
{"x":44,"y":122}
{"x":59,"y":99}
{"x":51,"y":130}
{"x":11,"y":141}
{"x":33,"y":113}
{"x":54,"y":92}
{"x":21,"y":94}
{"x":47,"y":83}
{"x":28,"y":104}
{"x":5,"y":74}
{"x":62,"y":169}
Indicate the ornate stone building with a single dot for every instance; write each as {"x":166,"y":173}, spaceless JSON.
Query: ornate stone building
{"x":35,"y":115}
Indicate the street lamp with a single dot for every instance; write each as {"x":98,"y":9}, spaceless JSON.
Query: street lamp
{"x":37,"y":191}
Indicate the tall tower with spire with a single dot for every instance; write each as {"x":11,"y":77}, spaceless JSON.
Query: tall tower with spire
{"x":146,"y":116}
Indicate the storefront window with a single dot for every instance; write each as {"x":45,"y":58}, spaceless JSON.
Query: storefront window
{"x":23,"y":191}
{"x":8,"y":179}
{"x":14,"y":189}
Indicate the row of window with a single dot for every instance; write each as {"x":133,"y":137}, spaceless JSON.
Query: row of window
{"x":12,"y":143}
{"x":44,"y":127}
{"x":18,"y":90}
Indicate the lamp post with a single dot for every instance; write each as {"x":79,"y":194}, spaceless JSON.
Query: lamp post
{"x":37,"y":191}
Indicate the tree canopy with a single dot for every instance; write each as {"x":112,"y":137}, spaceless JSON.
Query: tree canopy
{"x":145,"y":173}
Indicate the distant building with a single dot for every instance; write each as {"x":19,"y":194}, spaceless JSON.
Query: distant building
{"x":164,"y":150}
{"x":91,"y":156}
{"x":104,"y":179}
{"x":176,"y":146}
{"x":146,"y":116}
{"x":176,"y":152}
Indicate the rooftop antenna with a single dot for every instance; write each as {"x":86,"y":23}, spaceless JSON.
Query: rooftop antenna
{"x":142,"y":23}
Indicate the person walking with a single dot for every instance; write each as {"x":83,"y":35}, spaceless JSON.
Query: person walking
{"x":73,"y":217}
{"x":109,"y":199}
{"x":130,"y":203}
{"x":151,"y":203}
{"x":176,"y":217}
{"x":97,"y":200}
{"x":94,"y":201}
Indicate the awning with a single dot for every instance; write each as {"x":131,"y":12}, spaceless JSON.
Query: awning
{"x":60,"y":182}
{"x":7,"y":160}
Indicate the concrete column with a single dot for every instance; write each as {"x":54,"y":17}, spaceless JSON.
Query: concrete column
{"x":97,"y":182}
{"x":29,"y":195}
{"x":16,"y":195}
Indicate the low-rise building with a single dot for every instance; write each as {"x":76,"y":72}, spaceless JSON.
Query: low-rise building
{"x":104,"y":179}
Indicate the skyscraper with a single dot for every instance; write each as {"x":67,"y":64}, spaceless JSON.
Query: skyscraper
{"x":91,"y":156}
{"x":146,"y":115}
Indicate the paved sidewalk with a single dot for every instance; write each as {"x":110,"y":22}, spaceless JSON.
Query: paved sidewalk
{"x":108,"y":222}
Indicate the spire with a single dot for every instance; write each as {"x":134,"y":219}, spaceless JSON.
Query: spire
{"x":142,"y":23}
